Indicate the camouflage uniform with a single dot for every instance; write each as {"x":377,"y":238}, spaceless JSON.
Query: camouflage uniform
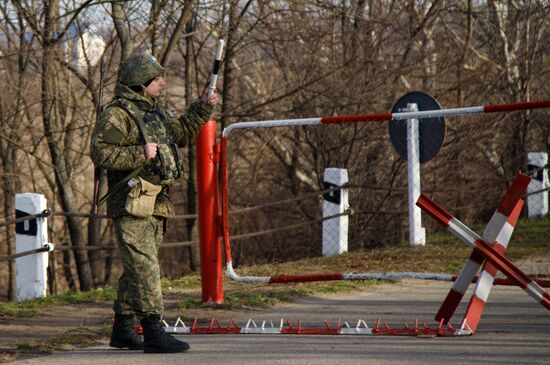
{"x":118,"y":146}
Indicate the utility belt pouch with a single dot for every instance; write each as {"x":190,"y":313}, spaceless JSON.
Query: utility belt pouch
{"x":141,"y":198}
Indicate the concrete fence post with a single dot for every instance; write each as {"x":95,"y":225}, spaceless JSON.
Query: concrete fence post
{"x":31,"y":270}
{"x":335,"y":230}
{"x":537,"y":191}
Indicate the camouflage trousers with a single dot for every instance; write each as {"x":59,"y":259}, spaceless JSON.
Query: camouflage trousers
{"x":139,"y":291}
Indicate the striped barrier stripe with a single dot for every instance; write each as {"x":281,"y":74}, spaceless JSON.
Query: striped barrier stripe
{"x":283,"y":279}
{"x":455,"y":295}
{"x":507,"y":282}
{"x":465,"y":234}
{"x":215,"y":71}
{"x":438,"y":113}
{"x":380,"y":117}
{"x":499,"y":230}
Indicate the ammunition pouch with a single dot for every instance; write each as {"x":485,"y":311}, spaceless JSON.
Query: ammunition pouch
{"x":169,"y":162}
{"x":141,"y":198}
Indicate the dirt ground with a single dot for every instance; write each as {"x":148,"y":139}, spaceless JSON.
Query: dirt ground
{"x":70,"y":326}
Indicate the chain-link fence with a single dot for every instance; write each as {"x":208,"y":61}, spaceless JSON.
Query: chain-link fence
{"x":276,"y":183}
{"x":279,"y":185}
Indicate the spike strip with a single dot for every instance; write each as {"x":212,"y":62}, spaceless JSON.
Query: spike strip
{"x":462,"y":232}
{"x":287,"y":327}
{"x":498,"y":230}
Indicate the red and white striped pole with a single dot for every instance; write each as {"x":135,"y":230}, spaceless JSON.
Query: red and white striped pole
{"x":389,"y":116}
{"x":499,"y":108}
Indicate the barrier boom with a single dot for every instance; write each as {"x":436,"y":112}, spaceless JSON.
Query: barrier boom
{"x":498,"y":108}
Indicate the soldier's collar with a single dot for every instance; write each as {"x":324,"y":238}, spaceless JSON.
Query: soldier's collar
{"x":143,"y":102}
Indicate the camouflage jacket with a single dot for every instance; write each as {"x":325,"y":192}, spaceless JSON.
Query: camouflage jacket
{"x":117,"y":144}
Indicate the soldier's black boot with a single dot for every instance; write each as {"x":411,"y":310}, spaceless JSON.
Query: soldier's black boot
{"x":124,"y":334}
{"x":156,"y":340}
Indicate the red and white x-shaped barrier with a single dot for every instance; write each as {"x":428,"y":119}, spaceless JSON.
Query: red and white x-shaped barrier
{"x":491,"y":256}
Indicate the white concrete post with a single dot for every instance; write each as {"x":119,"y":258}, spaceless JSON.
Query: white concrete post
{"x":417,"y":233}
{"x":31,"y":275}
{"x":537,"y":196}
{"x":335,"y":230}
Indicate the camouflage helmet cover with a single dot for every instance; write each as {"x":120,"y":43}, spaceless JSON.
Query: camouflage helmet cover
{"x":140,"y":68}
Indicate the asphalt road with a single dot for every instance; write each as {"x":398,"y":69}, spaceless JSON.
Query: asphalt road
{"x":515,"y":329}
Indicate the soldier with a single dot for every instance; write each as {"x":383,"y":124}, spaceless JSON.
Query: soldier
{"x":138,"y":142}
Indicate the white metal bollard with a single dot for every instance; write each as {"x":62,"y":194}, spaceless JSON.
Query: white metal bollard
{"x":537,"y":191}
{"x":335,"y":230}
{"x":417,"y":233}
{"x":31,"y":276}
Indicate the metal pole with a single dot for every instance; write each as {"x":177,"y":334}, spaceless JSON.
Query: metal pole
{"x":207,"y":192}
{"x":417,"y":234}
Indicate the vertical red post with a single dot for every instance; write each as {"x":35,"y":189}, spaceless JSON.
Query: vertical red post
{"x":207,"y":191}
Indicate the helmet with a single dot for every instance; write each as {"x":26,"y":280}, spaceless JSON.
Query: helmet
{"x":140,"y":68}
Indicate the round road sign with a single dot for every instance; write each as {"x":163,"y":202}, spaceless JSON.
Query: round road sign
{"x":431,"y":131}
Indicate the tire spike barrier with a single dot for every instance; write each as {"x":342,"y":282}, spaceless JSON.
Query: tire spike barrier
{"x":498,"y":231}
{"x":286,"y":327}
{"x":484,"y":249}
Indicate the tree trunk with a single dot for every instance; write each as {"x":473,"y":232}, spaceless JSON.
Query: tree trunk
{"x":122,"y":30}
{"x":9,"y":183}
{"x":460,"y":66}
{"x":51,"y":127}
{"x":10,"y":179}
{"x":193,"y":251}
{"x":229,"y":71}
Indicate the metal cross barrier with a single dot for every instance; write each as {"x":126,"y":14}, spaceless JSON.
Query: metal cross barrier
{"x":489,"y":252}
